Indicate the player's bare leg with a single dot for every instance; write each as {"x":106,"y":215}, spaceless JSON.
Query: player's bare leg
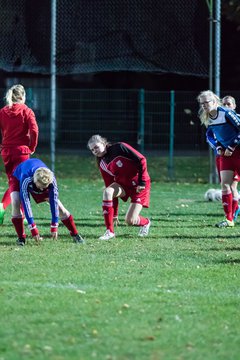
{"x":134,"y":218}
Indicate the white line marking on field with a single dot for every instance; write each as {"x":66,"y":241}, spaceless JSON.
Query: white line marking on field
{"x":43,"y":285}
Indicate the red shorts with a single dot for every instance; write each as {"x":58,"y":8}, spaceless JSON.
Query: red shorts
{"x":142,"y":198}
{"x":231,"y":162}
{"x":38,"y":198}
{"x":236,"y":176}
{"x":14,"y":156}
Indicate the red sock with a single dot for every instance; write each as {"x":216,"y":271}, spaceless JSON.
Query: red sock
{"x":70,"y":225}
{"x":108,"y":210}
{"x":142,"y":221}
{"x":19,"y":227}
{"x":227,"y":205}
{"x":234,"y":205}
{"x":6,"y":199}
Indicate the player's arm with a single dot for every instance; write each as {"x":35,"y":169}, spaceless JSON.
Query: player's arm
{"x":213,"y":143}
{"x":115,"y":212}
{"x":25,"y":200}
{"x":33,"y":130}
{"x":53,"y":200}
{"x":139,"y":159}
{"x":233,"y":119}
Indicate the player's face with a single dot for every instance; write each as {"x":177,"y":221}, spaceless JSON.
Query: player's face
{"x":40,"y":186}
{"x":229,"y":104}
{"x":208,"y":104}
{"x":98,"y":149}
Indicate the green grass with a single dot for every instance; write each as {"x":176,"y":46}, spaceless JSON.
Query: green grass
{"x":173,"y":295}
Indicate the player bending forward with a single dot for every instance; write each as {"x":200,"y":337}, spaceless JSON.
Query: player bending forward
{"x":34,"y":177}
{"x":124,"y":171}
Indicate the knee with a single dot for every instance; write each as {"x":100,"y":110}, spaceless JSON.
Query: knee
{"x":108,"y":193}
{"x":16,"y":207}
{"x":226,"y":187}
{"x":15,"y":203}
{"x":64,"y":214}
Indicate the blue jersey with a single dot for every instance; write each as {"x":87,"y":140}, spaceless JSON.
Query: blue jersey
{"x":224,"y":129}
{"x":24,"y":173}
{"x":211,"y":139}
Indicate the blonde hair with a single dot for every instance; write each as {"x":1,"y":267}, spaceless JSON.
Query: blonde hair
{"x":203,"y":114}
{"x":231,"y":99}
{"x":96,"y":139}
{"x":16,"y":94}
{"x":44,"y":176}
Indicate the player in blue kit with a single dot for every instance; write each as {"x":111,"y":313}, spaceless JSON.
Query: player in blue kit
{"x":34,"y":177}
{"x":223,"y":133}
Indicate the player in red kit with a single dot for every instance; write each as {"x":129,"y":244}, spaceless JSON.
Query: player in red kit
{"x":19,"y":132}
{"x":124,"y":171}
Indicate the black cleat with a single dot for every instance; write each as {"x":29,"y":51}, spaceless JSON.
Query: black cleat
{"x":21,"y":241}
{"x":78,"y":239}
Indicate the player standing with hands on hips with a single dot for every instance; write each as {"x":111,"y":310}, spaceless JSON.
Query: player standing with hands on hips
{"x":33,"y":177}
{"x":124,"y":171}
{"x":224,"y":124}
{"x":19,"y":132}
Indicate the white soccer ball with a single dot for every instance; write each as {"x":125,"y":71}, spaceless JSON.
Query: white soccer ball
{"x":210,"y":195}
{"x":218,"y":195}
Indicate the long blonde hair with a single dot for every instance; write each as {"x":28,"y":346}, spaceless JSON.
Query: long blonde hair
{"x":16,"y":94}
{"x":203,"y":114}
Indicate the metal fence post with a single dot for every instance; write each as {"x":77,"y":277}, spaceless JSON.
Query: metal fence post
{"x":171,"y":136}
{"x":53,"y":83}
{"x":141,"y":108}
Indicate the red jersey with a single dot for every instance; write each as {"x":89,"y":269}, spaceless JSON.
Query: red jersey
{"x":124,"y":165}
{"x":18,"y":127}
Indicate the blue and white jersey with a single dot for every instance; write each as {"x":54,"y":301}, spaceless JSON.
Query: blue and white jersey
{"x":211,"y":139}
{"x":24,"y":173}
{"x":224,"y":129}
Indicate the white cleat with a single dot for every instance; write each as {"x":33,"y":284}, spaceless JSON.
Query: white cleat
{"x":145,"y":229}
{"x":107,"y":236}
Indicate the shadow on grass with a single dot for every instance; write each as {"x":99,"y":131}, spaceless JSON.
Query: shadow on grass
{"x":237,"y":248}
{"x":229,"y":261}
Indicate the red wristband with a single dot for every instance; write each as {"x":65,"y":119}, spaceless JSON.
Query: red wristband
{"x":34,"y":229}
{"x":54,"y":227}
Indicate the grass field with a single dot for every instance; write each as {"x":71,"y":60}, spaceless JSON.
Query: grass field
{"x":173,"y":295}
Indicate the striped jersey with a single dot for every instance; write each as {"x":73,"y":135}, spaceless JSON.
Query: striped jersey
{"x":224,"y":129}
{"x":24,"y":173}
{"x":124,"y":165}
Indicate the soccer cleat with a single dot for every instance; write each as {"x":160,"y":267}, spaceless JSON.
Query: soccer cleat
{"x":2,"y":213}
{"x":236,"y":214}
{"x":145,"y":229}
{"x":21,"y":241}
{"x":78,"y":239}
{"x":225,"y":223}
{"x":107,"y":236}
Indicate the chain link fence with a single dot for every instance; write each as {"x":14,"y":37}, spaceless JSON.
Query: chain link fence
{"x":119,"y":115}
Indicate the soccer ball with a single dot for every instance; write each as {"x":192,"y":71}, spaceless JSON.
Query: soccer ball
{"x":218,"y":195}
{"x":210,"y":195}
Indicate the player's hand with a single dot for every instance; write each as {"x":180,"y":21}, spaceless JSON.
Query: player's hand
{"x":116,"y":221}
{"x":54,"y":235}
{"x":139,"y":189}
{"x":228,"y":152}
{"x":220,"y":152}
{"x":37,"y":238}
